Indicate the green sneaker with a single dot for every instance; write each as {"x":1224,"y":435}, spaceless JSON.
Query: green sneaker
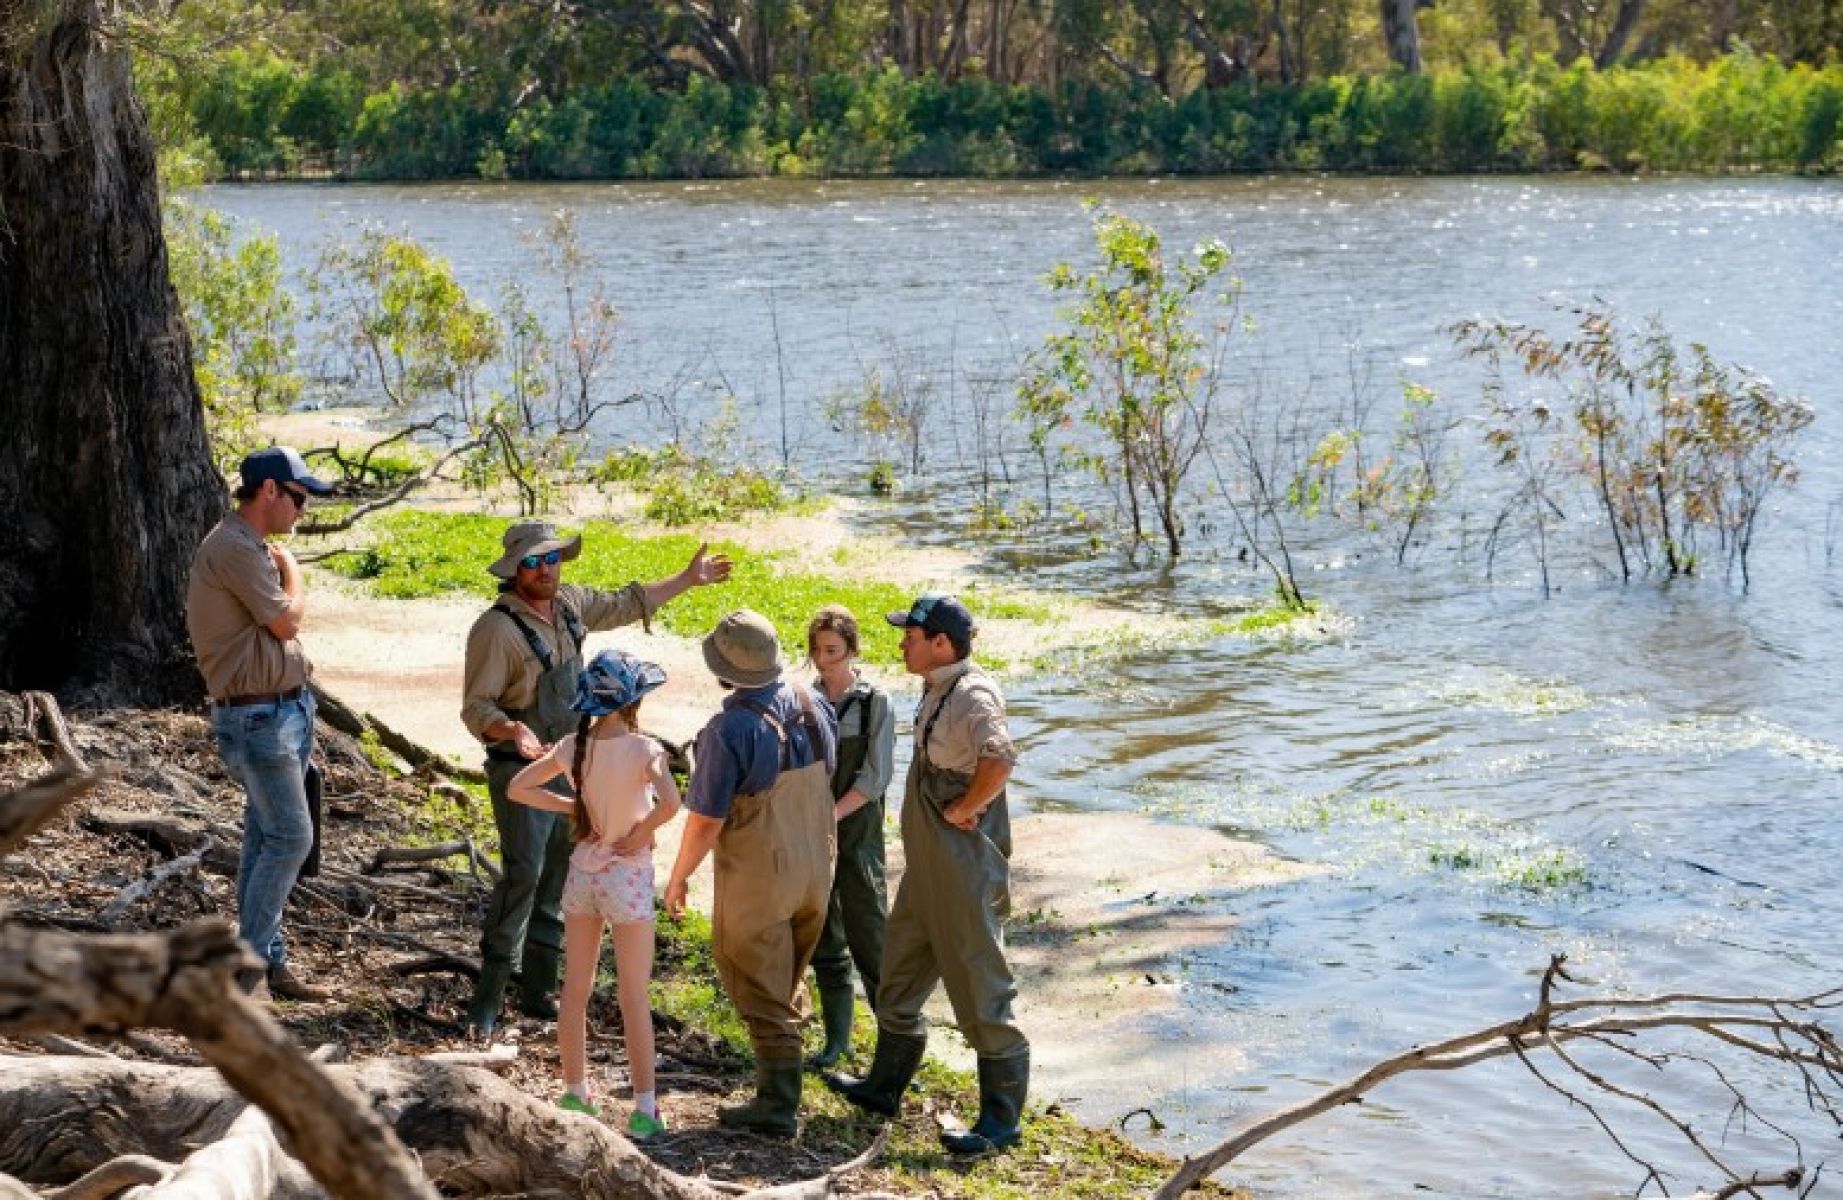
{"x":640,"y":1126}
{"x":570,"y":1102}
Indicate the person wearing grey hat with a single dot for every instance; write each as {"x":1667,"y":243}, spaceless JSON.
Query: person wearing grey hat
{"x":244,"y":605}
{"x":945,"y":926}
{"x":524,"y":655}
{"x":761,"y":796}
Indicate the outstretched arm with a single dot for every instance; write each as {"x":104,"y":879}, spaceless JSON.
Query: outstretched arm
{"x":703,"y":569}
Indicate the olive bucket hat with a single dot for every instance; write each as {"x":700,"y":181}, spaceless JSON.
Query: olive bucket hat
{"x":525,"y":538}
{"x":744,"y":650}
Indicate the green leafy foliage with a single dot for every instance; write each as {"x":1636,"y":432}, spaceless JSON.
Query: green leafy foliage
{"x":241,"y":319}
{"x":1130,"y":366}
{"x":253,"y":111}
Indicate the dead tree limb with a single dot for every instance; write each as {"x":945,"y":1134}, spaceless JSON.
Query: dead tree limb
{"x":130,"y":895}
{"x":43,"y":713}
{"x":1783,"y":1030}
{"x":475,"y":1133}
{"x":26,"y":810}
{"x":56,"y":983}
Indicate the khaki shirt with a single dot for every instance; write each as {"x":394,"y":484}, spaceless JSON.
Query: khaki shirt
{"x":234,"y":592}
{"x":501,"y":674}
{"x":972,"y":724}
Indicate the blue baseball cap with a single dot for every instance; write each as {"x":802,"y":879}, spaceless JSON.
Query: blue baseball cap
{"x":282,"y":464}
{"x":934,"y":613}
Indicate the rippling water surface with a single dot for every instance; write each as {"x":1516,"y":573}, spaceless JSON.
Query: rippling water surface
{"x":1648,"y":778}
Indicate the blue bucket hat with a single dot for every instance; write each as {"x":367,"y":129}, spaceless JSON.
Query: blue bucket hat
{"x":613,"y":680}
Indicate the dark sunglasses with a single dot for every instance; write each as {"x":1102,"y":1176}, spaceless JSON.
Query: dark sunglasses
{"x":299,"y":498}
{"x":532,"y":562}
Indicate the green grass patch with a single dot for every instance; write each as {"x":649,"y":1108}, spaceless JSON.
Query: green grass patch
{"x":418,"y":553}
{"x":1058,"y":1156}
{"x":445,"y":817}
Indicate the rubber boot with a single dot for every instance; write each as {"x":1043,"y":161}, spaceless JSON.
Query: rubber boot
{"x":898,"y":1057}
{"x":537,"y":980}
{"x":835,"y":1010}
{"x":776,"y":1107}
{"x":489,"y":994}
{"x":1003,"y":1083}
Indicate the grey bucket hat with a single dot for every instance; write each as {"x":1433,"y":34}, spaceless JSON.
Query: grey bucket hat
{"x":523,"y":538}
{"x":744,"y":650}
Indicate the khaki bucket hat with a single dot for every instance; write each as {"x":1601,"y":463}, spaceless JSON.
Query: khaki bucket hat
{"x":523,"y":538}
{"x":744,"y":650}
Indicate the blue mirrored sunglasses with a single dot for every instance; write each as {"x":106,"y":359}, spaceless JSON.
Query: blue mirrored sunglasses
{"x":532,"y":562}
{"x":923,"y":606}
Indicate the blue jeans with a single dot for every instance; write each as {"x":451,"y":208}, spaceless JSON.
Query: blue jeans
{"x":266,"y":747}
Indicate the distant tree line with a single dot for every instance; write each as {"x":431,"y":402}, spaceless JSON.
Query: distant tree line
{"x":677,"y":88}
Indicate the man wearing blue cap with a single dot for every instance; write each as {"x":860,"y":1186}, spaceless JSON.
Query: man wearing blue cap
{"x":945,"y":926}
{"x":244,"y":604}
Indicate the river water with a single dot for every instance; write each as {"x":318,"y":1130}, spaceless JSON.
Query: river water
{"x":1647,"y":777}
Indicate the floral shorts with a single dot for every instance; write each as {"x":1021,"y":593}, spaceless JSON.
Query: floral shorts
{"x":620,"y":893}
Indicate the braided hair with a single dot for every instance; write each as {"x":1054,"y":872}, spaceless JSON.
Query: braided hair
{"x":582,"y":827}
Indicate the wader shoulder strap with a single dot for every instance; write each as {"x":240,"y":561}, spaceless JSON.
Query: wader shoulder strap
{"x":808,"y":717}
{"x":928,"y":729}
{"x":859,"y":694}
{"x":539,"y":650}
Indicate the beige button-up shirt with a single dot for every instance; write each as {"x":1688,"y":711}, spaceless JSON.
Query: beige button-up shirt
{"x":501,"y":673}
{"x":232,"y":595}
{"x":972,"y":718}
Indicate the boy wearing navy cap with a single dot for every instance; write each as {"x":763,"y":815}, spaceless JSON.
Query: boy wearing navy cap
{"x":945,"y":925}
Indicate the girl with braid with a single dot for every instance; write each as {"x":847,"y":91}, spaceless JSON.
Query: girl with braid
{"x":623,"y":793}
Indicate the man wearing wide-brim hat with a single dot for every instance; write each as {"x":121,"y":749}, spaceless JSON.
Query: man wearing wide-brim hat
{"x":761,"y":794}
{"x":945,"y":926}
{"x":523,"y":657}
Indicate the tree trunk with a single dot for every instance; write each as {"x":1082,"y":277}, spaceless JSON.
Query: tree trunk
{"x":1624,"y":21}
{"x":106,"y":476}
{"x":1399,"y":31}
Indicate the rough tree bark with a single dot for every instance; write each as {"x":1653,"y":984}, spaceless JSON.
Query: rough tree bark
{"x":106,"y":476}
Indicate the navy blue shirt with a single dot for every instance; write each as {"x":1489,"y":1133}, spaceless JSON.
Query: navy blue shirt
{"x":738,"y":753}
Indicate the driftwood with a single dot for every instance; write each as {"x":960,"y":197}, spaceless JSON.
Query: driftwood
{"x":31,"y":807}
{"x":1785,"y":1031}
{"x":134,"y":892}
{"x":473,"y":1132}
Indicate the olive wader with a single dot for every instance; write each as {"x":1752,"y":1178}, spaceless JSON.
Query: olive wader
{"x":859,"y":905}
{"x":773,"y":873}
{"x":945,"y":927}
{"x":524,"y":915}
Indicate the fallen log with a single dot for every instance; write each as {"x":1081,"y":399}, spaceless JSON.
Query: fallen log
{"x":56,"y":983}
{"x":475,"y":1134}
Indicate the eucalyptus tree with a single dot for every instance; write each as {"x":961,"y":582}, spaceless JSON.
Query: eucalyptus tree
{"x":106,"y":474}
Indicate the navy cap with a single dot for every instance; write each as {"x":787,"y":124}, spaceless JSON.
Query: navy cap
{"x":934,"y":613}
{"x":282,"y":464}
